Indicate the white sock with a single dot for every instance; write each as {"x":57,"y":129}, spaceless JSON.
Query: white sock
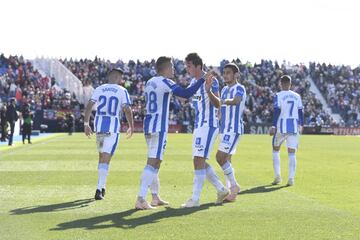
{"x":199,"y":179}
{"x":227,"y":181}
{"x":147,"y":178}
{"x":292,"y":165}
{"x":276,"y":163}
{"x":213,"y":178}
{"x":229,"y":173}
{"x":155,"y":185}
{"x":103,"y":169}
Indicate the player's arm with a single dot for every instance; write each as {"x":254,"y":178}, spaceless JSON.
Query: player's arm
{"x":129,"y":118}
{"x":88,"y":109}
{"x":213,"y":95}
{"x":234,"y":101}
{"x":301,"y":117}
{"x":184,"y":92}
{"x":276,"y":115}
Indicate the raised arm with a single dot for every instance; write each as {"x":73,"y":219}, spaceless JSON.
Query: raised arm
{"x":213,"y":96}
{"x":184,"y":92}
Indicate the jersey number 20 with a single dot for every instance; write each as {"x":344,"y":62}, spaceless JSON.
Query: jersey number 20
{"x":113,"y":103}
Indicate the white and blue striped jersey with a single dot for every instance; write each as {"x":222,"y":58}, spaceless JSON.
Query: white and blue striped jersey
{"x":158,"y":91}
{"x":205,"y":112}
{"x":289,"y":103}
{"x":231,"y":115}
{"x":110,"y":99}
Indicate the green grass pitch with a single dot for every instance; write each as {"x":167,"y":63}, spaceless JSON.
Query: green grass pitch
{"x":46,"y":192}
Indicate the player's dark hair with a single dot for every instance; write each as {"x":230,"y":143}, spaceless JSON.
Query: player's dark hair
{"x":161,"y":63}
{"x":195,"y":59}
{"x":233,"y":67}
{"x":285,"y":79}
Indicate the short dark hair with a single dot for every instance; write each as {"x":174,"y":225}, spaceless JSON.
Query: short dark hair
{"x":117,"y":70}
{"x":285,"y":79}
{"x":233,"y":67}
{"x":195,"y":59}
{"x":161,"y":63}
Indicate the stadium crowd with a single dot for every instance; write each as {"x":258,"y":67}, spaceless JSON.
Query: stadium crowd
{"x":339,"y":85}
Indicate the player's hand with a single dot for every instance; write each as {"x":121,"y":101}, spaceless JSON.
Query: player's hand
{"x":88,"y":131}
{"x":129,"y":132}
{"x":209,"y":79}
{"x":272,"y":131}
{"x":300,"y":129}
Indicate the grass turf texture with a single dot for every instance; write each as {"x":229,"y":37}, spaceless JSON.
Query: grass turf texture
{"x":46,"y":192}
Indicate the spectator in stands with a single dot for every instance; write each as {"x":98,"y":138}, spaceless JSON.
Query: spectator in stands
{"x":26,"y":127}
{"x":11,"y":116}
{"x":3,"y":123}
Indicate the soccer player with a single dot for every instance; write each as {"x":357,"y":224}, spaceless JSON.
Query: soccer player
{"x":158,"y":92}
{"x":205,"y":132}
{"x":111,"y":100}
{"x":232,"y":102}
{"x":287,"y":125}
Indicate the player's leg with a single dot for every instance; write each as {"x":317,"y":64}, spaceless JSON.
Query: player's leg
{"x":203,"y":140}
{"x":211,"y":176}
{"x":292,"y":143}
{"x":277,"y":140}
{"x":106,"y":146}
{"x":227,"y":148}
{"x":155,"y":185}
{"x":199,"y":168}
{"x":156,"y":144}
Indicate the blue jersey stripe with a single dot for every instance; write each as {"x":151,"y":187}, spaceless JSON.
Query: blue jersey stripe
{"x":195,"y":103}
{"x":160,"y":144}
{"x":237,"y":116}
{"x":223,"y":119}
{"x":147,"y":123}
{"x":105,"y":124}
{"x":234,"y":142}
{"x":115,"y":144}
{"x":96,"y":123}
{"x":211,"y":115}
{"x":155,"y":123}
{"x":231,"y":111}
{"x":208,"y":140}
{"x":202,"y":91}
{"x":116,"y":125}
{"x":281,"y":125}
{"x":167,"y":83}
{"x":165,"y":109}
{"x":290,"y":125}
{"x":127,"y":98}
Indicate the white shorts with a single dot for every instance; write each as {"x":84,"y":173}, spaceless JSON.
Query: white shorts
{"x":292,"y":140}
{"x":228,"y":142}
{"x":203,"y":141}
{"x":107,"y":142}
{"x":156,"y":144}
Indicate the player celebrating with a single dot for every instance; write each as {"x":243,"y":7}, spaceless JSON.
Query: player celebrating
{"x":232,"y":102}
{"x":111,"y":99}
{"x":205,"y":132}
{"x":158,"y":91}
{"x":287,"y":124}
